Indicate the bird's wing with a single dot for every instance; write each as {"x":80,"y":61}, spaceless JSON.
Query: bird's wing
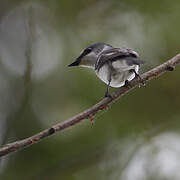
{"x":115,"y":54}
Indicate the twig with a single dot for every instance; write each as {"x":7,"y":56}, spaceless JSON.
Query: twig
{"x":155,"y":72}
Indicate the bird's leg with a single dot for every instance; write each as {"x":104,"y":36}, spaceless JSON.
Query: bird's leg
{"x":143,"y":82}
{"x":105,"y":107}
{"x":109,"y":81}
{"x":107,"y":90}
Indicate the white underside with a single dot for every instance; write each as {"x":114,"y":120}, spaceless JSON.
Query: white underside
{"x":119,"y":75}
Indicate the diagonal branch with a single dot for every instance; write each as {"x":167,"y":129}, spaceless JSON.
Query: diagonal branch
{"x":89,"y":113}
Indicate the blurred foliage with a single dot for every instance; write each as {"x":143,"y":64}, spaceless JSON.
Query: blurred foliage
{"x":133,"y":133}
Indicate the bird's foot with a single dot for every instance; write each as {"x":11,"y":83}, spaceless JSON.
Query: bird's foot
{"x":127,"y":84}
{"x":142,"y":81}
{"x":107,"y":95}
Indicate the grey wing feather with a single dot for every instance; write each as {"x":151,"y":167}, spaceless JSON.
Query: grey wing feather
{"x":118,"y":54}
{"x":106,"y":56}
{"x":102,"y":59}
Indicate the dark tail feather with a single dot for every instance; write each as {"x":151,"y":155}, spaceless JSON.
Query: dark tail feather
{"x":139,"y":61}
{"x":133,"y":60}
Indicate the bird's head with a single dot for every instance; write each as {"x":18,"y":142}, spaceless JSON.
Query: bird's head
{"x":89,"y":56}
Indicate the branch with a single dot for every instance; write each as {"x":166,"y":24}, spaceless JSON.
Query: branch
{"x":90,"y":113}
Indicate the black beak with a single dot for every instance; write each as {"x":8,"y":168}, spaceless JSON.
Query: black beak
{"x":78,"y":60}
{"x":75,"y":63}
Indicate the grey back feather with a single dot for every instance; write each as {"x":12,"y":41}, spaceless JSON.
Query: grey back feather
{"x":117,"y":54}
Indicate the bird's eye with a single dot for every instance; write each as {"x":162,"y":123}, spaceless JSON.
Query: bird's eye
{"x":88,"y":50}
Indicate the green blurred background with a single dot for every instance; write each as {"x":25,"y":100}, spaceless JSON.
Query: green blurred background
{"x":138,"y":138}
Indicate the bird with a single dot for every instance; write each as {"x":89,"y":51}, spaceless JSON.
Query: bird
{"x":114,"y":66}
